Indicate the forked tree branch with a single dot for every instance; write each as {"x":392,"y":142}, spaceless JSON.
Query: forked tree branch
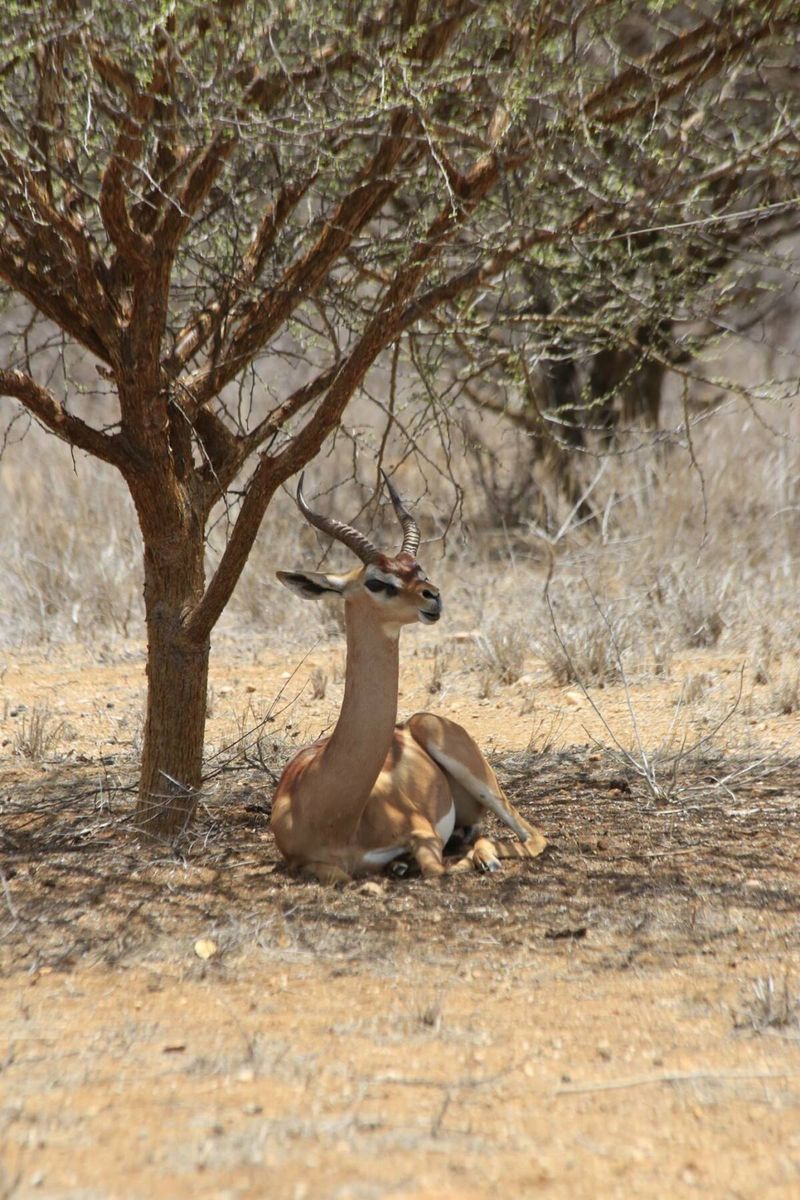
{"x":205,"y":325}
{"x":685,"y":70}
{"x":340,"y":382}
{"x":53,"y":288}
{"x":378,"y":180}
{"x":65,"y":232}
{"x":135,"y":247}
{"x":203,"y":174}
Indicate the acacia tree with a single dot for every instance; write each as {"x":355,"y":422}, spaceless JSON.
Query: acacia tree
{"x":576,"y":351}
{"x":188,"y":197}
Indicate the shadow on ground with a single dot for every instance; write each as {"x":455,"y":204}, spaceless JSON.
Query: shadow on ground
{"x":636,"y":879}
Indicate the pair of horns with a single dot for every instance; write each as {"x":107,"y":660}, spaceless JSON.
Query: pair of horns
{"x":355,"y":541}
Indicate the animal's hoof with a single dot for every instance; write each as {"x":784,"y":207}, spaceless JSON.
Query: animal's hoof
{"x":489,"y":865}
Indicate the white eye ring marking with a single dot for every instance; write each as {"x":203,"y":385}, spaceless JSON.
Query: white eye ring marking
{"x":387,"y":586}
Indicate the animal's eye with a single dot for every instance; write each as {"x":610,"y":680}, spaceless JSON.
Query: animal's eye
{"x":378,"y":585}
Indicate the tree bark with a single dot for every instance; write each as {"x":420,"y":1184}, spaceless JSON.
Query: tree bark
{"x":626,"y":384}
{"x":172,"y":754}
{"x":177,"y":665}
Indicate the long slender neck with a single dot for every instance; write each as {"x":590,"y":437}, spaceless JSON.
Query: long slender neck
{"x":363,"y":734}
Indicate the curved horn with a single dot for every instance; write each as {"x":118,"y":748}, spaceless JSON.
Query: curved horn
{"x":411,"y":534}
{"x":355,"y":541}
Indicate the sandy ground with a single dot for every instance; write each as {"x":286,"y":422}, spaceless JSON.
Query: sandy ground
{"x":620,"y":1019}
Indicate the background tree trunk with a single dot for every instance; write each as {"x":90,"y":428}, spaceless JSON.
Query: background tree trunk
{"x":626,"y":385}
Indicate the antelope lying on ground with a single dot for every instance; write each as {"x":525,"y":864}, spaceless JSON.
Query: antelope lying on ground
{"x":374,"y":790}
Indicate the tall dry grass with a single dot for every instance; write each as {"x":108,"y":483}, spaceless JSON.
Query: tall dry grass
{"x":694,"y":542}
{"x":70,"y":557}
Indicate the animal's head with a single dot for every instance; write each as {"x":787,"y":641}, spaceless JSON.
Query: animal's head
{"x":394,"y":587}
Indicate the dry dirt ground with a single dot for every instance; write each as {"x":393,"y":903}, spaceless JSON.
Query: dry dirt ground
{"x":621,"y":1018}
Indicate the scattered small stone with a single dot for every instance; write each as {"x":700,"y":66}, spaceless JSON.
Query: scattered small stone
{"x":555,"y":935}
{"x":173,"y":1048}
{"x":370,"y":888}
{"x":205,"y":948}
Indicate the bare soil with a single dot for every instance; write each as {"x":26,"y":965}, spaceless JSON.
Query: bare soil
{"x":621,"y":1018}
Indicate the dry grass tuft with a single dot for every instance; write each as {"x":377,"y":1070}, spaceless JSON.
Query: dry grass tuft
{"x":318,"y":681}
{"x":39,"y":735}
{"x":584,"y":645}
{"x":695,"y":687}
{"x":785,"y":694}
{"x":769,"y":1004}
{"x":501,"y":651}
{"x":440,"y":669}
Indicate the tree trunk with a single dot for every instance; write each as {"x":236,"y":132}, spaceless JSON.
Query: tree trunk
{"x":172,"y":754}
{"x":177,"y":671}
{"x":626,"y":384}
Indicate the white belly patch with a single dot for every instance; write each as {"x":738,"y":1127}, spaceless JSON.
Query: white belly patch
{"x":379,"y":858}
{"x":445,"y":827}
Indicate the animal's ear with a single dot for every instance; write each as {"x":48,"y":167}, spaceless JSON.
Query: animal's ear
{"x":312,"y":584}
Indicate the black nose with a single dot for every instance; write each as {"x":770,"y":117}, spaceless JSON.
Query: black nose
{"x":429,"y":595}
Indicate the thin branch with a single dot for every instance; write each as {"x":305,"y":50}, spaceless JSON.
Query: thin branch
{"x":65,"y":425}
{"x":205,"y":325}
{"x":711,"y":1075}
{"x":242,"y":447}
